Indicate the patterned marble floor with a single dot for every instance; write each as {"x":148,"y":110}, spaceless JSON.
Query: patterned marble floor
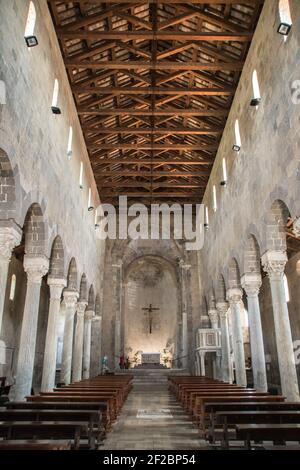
{"x":152,"y":419}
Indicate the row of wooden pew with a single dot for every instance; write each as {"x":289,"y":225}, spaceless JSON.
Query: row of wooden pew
{"x":75,"y":416}
{"x":226,"y":413}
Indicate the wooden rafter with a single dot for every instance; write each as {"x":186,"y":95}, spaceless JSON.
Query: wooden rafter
{"x":153,"y":83}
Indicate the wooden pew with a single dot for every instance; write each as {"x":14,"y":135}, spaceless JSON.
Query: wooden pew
{"x":34,"y":444}
{"x":267,"y":432}
{"x":45,"y":429}
{"x":224,"y":419}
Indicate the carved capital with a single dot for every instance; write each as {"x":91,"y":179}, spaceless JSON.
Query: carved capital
{"x":10,"y":236}
{"x":251,"y":283}
{"x":36,"y":267}
{"x":81,"y":306}
{"x":70,"y":298}
{"x":56,"y":286}
{"x":296,"y":227}
{"x":234,"y":295}
{"x":213,"y":316}
{"x":222,"y":308}
{"x":274,"y":263}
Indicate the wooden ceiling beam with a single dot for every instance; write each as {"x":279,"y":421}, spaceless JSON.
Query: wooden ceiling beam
{"x":141,"y":184}
{"x":154,"y":161}
{"x":101,"y":90}
{"x":124,"y":146}
{"x":159,"y":35}
{"x":135,"y":2}
{"x":156,"y":112}
{"x":156,"y":131}
{"x":154,"y":174}
{"x":141,"y":65}
{"x":149,"y":194}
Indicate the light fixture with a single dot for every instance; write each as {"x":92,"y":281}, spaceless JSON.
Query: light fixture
{"x":97,"y":226}
{"x":31,"y":41}
{"x":55,"y":110}
{"x":223,"y":183}
{"x":255,"y":101}
{"x":69,"y":154}
{"x":284,"y":29}
{"x":236,"y":148}
{"x":80,"y":186}
{"x":206,"y":226}
{"x":90,"y":208}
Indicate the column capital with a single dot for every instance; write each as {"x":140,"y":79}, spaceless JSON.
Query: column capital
{"x":213,"y":316}
{"x":89,"y":314}
{"x":183,"y":264}
{"x":97,"y":318}
{"x":251,"y":283}
{"x":222,"y":308}
{"x":81,"y":306}
{"x":234,"y":294}
{"x":70,"y":298}
{"x":274,"y":262}
{"x":56,"y":286}
{"x":10,"y":236}
{"x":117,"y":264}
{"x":36,"y":267}
{"x":296,"y":227}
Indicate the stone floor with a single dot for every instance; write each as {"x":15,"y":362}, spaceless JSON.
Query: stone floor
{"x":152,"y":419}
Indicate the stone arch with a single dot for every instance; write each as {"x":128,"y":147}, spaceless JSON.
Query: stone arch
{"x":91,"y":298}
{"x":72,"y":275}
{"x":234,"y":277}
{"x":7,"y":188}
{"x":220,"y":289}
{"x":35,"y":231}
{"x":83,"y":291}
{"x":251,"y":255}
{"x":276,"y":223}
{"x":97,"y":305}
{"x":56,"y":267}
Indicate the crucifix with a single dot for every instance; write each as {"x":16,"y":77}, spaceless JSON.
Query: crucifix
{"x":150,"y":310}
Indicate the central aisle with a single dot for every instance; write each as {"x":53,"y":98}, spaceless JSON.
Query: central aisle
{"x":152,"y":419}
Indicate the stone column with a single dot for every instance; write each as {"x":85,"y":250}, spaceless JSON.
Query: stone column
{"x":274,"y":263}
{"x":184,"y":310}
{"x":222,"y":308}
{"x":49,"y":365}
{"x":117,"y":283}
{"x":251,"y":283}
{"x":214,"y":321}
{"x":202,"y":363}
{"x":234,"y":296}
{"x":36,"y":268}
{"x":96,"y":346}
{"x":89,"y":314}
{"x":70,"y":299}
{"x":10,"y":236}
{"x":197,"y":364}
{"x":78,"y":342}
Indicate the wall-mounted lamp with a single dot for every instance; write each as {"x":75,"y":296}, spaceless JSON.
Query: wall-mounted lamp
{"x":255,"y":101}
{"x":31,"y":41}
{"x":284,"y":29}
{"x":55,"y":110}
{"x":236,"y":148}
{"x":223,"y":183}
{"x":90,"y":208}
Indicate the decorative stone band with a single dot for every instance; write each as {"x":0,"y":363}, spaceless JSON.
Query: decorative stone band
{"x":89,"y":314}
{"x":274,"y":263}
{"x":56,"y":286}
{"x":251,"y":283}
{"x":70,"y":298}
{"x":10,"y":236}
{"x":36,"y":267}
{"x":234,"y":294}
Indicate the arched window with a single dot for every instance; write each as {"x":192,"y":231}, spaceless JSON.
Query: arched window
{"x":237,"y":143}
{"x":224,"y":170}
{"x":214,"y":199}
{"x":256,"y":99}
{"x":286,"y":288}
{"x":81,"y":176}
{"x":285,"y":18}
{"x":70,"y":142}
{"x":12,"y":287}
{"x":206,"y":218}
{"x":31,"y":19}
{"x":54,"y":107}
{"x":2,"y":92}
{"x":90,"y":206}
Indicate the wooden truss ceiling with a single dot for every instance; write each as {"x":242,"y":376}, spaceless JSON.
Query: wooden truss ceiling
{"x":153,"y":83}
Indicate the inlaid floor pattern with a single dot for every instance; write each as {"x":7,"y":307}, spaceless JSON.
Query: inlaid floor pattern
{"x":152,"y":419}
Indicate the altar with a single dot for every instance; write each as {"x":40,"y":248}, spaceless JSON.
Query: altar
{"x":150,"y":358}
